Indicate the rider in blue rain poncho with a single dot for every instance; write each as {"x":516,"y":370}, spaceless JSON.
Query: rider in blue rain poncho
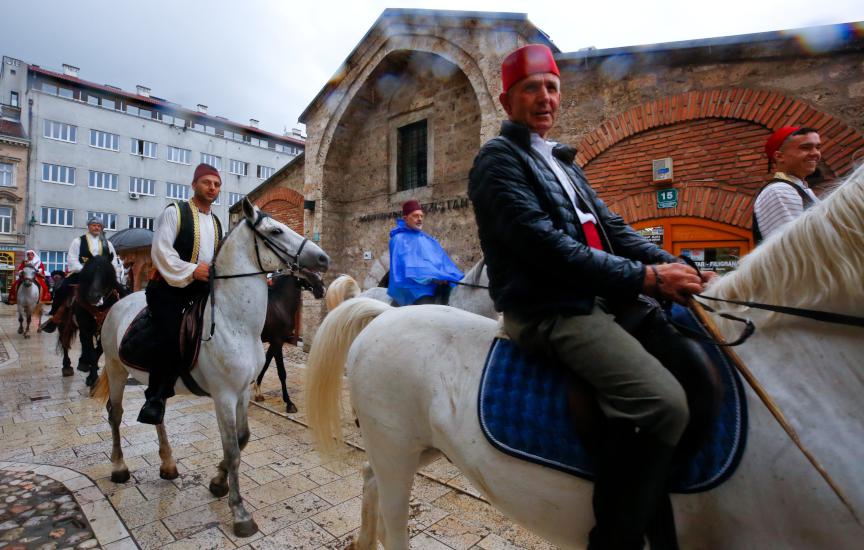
{"x":420,"y":270}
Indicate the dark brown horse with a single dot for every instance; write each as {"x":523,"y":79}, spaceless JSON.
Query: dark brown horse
{"x":280,"y":327}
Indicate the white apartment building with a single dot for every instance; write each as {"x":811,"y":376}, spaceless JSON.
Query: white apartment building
{"x":97,"y":149}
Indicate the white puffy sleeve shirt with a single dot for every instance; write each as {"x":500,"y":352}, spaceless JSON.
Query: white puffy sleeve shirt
{"x":167,"y":261}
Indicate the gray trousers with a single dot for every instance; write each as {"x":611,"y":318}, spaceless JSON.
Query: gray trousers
{"x":631,"y":383}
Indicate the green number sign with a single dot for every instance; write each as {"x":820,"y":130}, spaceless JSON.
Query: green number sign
{"x":667,"y":198}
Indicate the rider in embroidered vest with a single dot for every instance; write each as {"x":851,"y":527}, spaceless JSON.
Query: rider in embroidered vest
{"x":560,"y":266}
{"x":796,"y":152}
{"x":89,"y":245}
{"x":184,"y":244}
{"x":421,"y":272}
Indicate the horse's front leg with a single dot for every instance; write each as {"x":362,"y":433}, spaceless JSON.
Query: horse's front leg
{"x":234,"y":427}
{"x":67,"y":363}
{"x":20,"y":323}
{"x":290,"y":407}
{"x":256,"y":387}
{"x":27,"y":329}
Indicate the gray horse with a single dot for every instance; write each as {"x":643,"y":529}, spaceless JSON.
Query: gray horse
{"x":28,"y":296}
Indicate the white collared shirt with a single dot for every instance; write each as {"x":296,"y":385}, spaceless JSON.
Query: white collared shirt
{"x":545,"y":149}
{"x":167,"y":261}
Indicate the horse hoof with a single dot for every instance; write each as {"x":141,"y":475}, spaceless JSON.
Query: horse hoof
{"x":290,"y":408}
{"x":220,"y":490}
{"x":245,"y":528}
{"x":121,"y":476}
{"x":26,"y":335}
{"x":169,"y":473}
{"x":20,"y":330}
{"x":68,"y":371}
{"x":84,"y":367}
{"x":91,"y":379}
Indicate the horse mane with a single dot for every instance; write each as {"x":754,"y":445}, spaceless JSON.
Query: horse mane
{"x":818,"y":259}
{"x":473,"y":277}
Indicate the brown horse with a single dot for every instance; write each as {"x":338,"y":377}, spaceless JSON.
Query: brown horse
{"x":280,"y":327}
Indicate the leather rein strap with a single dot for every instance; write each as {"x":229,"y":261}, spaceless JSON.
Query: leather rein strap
{"x":292,"y":261}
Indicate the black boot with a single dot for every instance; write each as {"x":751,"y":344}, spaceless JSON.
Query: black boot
{"x":153,"y":411}
{"x":630,"y":489}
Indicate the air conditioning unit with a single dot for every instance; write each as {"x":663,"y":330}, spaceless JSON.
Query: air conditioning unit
{"x":133,"y":195}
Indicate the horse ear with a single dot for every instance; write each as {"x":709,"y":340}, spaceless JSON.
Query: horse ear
{"x":248,"y":210}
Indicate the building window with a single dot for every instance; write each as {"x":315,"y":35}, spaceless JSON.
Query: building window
{"x":140,"y":222}
{"x":265,"y":172}
{"x":57,"y":216}
{"x":60,"y":131}
{"x":109,"y":104}
{"x":411,"y":156}
{"x":104,"y":140}
{"x":178,"y":155}
{"x":54,"y":260}
{"x":5,"y":219}
{"x":238,"y":167}
{"x":143,"y":148}
{"x":7,"y":177}
{"x":55,"y":173}
{"x":103,"y":180}
{"x":142,"y":186}
{"x":234,"y":198}
{"x":212,"y":160}
{"x":109,"y":220}
{"x":177,"y":191}
{"x":218,"y":200}
{"x":49,"y":88}
{"x":68,"y":93}
{"x":13,"y":99}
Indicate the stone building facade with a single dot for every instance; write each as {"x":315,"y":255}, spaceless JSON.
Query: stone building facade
{"x":703,"y":107}
{"x":14,"y":157}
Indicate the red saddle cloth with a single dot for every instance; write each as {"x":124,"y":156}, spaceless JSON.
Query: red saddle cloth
{"x":139,"y":347}
{"x":45,"y":295}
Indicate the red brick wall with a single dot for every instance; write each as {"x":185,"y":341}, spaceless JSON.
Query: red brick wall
{"x":285,"y":205}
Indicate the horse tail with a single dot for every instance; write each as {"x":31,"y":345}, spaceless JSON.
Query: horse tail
{"x":101,"y":389}
{"x":326,"y":365}
{"x":343,"y":288}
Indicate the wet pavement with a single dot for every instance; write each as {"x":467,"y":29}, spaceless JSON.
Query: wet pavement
{"x":52,"y":433}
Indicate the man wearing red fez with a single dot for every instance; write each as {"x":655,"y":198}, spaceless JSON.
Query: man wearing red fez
{"x":569,"y":275}
{"x":421,"y":272}
{"x":91,"y":244}
{"x":187,"y":234}
{"x":795,"y":151}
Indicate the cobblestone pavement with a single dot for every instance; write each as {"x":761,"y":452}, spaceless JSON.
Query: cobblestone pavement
{"x":49,"y":427}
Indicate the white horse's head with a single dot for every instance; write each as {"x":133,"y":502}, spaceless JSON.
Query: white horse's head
{"x":280,"y":247}
{"x":28,"y":275}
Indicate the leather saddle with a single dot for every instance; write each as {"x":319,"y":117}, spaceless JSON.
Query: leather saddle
{"x":139,"y":346}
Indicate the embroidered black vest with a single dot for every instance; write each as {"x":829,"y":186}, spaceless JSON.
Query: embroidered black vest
{"x":806,"y":200}
{"x":188,"y":240}
{"x":84,"y":252}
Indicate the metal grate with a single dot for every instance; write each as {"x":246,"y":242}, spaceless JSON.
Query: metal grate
{"x":412,"y":156}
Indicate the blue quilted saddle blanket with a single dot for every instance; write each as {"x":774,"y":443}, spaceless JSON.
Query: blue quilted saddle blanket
{"x":524,"y":412}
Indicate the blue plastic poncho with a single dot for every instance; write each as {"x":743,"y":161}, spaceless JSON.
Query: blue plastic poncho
{"x":416,"y":262}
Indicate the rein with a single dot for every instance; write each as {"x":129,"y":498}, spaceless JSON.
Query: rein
{"x":824,"y":316}
{"x":292,"y":261}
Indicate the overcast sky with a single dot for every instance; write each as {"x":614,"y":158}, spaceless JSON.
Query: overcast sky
{"x":267,"y":59}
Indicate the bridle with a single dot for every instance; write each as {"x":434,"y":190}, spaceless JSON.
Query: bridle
{"x":291,"y":261}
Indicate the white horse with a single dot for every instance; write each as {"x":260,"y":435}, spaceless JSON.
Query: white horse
{"x":230,"y":360}
{"x":28,"y":296}
{"x":472,"y":294}
{"x":414,"y":374}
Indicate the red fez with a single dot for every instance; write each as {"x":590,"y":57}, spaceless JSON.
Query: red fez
{"x":410,"y":206}
{"x":776,"y":140}
{"x":527,"y":60}
{"x":204,"y":169}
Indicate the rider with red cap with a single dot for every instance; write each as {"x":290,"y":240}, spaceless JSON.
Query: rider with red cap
{"x":795,"y":151}
{"x":184,"y":244}
{"x":567,"y":274}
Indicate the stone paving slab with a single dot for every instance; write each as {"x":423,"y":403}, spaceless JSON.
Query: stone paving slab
{"x":49,"y":426}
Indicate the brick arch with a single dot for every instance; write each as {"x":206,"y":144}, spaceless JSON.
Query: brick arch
{"x":713,"y":204}
{"x":285,"y":205}
{"x":768,"y":108}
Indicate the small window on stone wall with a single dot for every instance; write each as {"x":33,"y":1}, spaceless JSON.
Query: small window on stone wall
{"x":412,"y":151}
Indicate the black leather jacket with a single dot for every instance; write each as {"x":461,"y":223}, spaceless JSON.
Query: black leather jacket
{"x":537,"y":257}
